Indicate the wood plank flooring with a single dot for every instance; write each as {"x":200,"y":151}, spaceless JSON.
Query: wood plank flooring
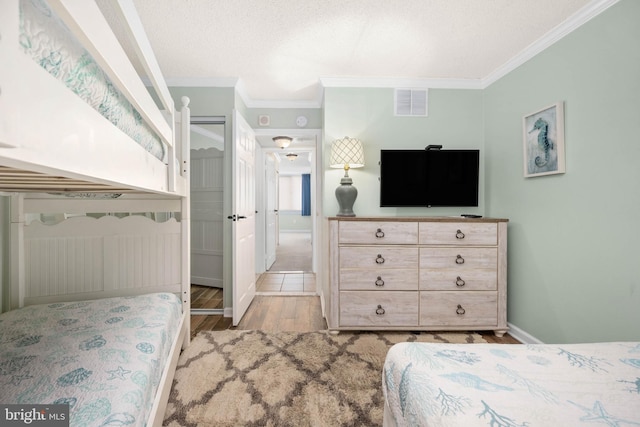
{"x":206,"y":297}
{"x":275,"y":313}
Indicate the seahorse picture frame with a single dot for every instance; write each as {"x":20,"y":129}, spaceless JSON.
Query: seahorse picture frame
{"x":544,"y":141}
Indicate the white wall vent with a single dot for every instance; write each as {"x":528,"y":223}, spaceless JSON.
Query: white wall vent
{"x":411,"y":102}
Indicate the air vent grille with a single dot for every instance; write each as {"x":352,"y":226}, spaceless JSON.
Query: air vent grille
{"x":411,"y":102}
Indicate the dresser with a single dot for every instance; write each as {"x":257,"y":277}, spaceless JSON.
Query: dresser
{"x":419,"y":274}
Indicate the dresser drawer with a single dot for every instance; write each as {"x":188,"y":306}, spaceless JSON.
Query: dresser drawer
{"x":364,"y":308}
{"x":374,"y":279}
{"x":378,"y":257}
{"x":459,"y":268}
{"x":458,"y":308}
{"x":458,"y":233}
{"x":378,"y":232}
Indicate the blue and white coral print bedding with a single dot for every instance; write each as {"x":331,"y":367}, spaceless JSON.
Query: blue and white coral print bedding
{"x":102,"y":357}
{"x":46,"y":39}
{"x":512,"y":385}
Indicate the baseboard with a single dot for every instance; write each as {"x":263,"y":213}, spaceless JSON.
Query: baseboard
{"x":522,"y":336}
{"x":228,"y":312}
{"x":205,"y":281}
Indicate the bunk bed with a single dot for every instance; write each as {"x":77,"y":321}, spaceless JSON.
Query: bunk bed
{"x":95,"y":168}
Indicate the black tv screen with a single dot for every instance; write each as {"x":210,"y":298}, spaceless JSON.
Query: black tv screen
{"x":426,"y":178}
{"x":402,"y":178}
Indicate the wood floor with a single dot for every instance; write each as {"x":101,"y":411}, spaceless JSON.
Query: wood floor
{"x":275,"y":313}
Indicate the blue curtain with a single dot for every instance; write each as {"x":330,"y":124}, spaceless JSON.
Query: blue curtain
{"x":306,"y":194}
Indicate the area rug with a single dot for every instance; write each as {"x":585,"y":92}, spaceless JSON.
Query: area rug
{"x":255,"y":378}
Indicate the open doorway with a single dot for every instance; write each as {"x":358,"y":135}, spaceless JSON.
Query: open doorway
{"x":289,"y":215}
{"x":294,"y":249}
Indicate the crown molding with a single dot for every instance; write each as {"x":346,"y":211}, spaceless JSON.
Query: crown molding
{"x":294,"y":133}
{"x":202,"y":81}
{"x":578,"y":19}
{"x":401,"y":83}
{"x":250,"y":103}
{"x":296,"y":105}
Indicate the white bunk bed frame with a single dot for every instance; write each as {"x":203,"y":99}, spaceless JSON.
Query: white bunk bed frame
{"x":52,"y":142}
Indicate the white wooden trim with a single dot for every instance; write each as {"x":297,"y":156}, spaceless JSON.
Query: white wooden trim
{"x":156,"y":416}
{"x":522,"y":336}
{"x":135,"y":30}
{"x":43,"y":203}
{"x":184,"y":139}
{"x":40,"y":117}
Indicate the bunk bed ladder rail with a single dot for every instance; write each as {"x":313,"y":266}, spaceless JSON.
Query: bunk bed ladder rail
{"x":184,"y":142}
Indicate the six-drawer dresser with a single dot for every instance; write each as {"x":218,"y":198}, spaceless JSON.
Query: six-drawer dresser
{"x":418,"y":274}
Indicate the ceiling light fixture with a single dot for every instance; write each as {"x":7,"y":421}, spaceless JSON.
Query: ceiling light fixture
{"x":282,"y":141}
{"x":292,"y":156}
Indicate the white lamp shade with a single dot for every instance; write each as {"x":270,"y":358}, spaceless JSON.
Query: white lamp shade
{"x":282,"y":141}
{"x":347,"y":151}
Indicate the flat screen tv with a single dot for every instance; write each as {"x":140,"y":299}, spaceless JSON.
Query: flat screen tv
{"x":429,"y":178}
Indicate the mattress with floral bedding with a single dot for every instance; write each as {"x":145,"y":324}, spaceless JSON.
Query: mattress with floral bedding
{"x":46,"y":39}
{"x":512,"y":385}
{"x":104,"y":358}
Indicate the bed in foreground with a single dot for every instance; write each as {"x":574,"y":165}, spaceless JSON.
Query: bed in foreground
{"x":512,"y":385}
{"x":104,"y":357}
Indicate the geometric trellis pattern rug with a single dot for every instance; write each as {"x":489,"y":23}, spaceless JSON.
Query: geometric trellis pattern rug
{"x":255,"y":378}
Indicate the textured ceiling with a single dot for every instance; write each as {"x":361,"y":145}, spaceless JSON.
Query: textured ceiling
{"x":280,"y":49}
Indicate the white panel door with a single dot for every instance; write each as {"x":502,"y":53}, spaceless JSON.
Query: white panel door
{"x":243,"y":216}
{"x":207,"y":174}
{"x":271,"y":216}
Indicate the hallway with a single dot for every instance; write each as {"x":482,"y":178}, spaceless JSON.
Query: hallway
{"x":291,"y":273}
{"x":294,"y":253}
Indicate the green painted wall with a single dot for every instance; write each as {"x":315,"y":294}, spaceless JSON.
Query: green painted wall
{"x":207,"y":101}
{"x":454,"y":120}
{"x":574,"y":269}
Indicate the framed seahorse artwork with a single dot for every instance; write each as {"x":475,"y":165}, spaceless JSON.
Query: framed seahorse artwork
{"x":544,"y":141}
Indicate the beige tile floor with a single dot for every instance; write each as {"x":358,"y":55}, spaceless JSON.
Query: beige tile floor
{"x":294,"y":283}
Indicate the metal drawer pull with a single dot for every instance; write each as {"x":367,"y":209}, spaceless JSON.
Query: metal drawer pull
{"x":379,"y":281}
{"x":459,"y":259}
{"x":459,"y":235}
{"x":379,"y":233}
{"x":460,"y":282}
{"x":459,"y":311}
{"x":380,"y":310}
{"x":379,"y":259}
